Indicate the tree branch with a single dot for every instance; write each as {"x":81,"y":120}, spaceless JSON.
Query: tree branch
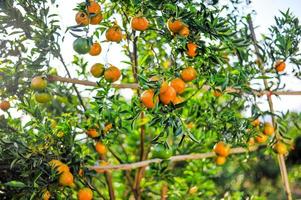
{"x":109,"y":181}
{"x":73,"y":85}
{"x":52,"y":78}
{"x":178,"y":158}
{"x":281,"y":161}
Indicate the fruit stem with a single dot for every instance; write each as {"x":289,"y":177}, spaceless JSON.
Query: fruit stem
{"x":281,"y":161}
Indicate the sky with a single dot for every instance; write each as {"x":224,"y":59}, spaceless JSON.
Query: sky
{"x":265,"y":11}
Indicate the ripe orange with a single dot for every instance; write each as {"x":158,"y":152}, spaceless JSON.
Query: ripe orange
{"x":175,"y":26}
{"x":85,"y":194}
{"x":221,"y":149}
{"x":97,"y":70}
{"x":114,"y":34}
{"x":177,"y":100}
{"x":168,"y":95}
{"x":188,"y":74}
{"x":94,"y":7}
{"x":62,"y":168}
{"x":256,"y":122}
{"x":217,"y":93}
{"x":193,"y":190}
{"x":96,"y":19}
{"x":54,"y":163}
{"x":112,"y":74}
{"x":220,"y":160}
{"x":178,"y":84}
{"x":66,"y":179}
{"x":107,"y":127}
{"x":280,"y":65}
{"x":261,"y":138}
{"x":95,"y":49}
{"x":184,"y":31}
{"x":92,"y":133}
{"x":191,"y":49}
{"x":268,"y":129}
{"x":147,"y":98}
{"x":164,"y":87}
{"x":38,"y":83}
{"x":46,"y":195}
{"x":100,"y":148}
{"x":139,"y":23}
{"x":280,"y":148}
{"x":59,"y":166}
{"x":4,"y":105}
{"x":82,"y":18}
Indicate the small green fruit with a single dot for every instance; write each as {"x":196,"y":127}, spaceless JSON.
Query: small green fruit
{"x":42,"y":97}
{"x":81,"y":45}
{"x":159,"y":151}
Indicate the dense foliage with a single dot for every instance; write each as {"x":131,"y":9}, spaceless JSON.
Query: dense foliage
{"x":57,"y":121}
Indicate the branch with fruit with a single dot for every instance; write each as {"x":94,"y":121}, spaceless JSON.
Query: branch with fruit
{"x":52,"y":78}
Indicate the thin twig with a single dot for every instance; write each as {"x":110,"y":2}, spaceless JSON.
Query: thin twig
{"x":73,"y":85}
{"x":164,"y":191}
{"x":109,"y":181}
{"x":281,"y":161}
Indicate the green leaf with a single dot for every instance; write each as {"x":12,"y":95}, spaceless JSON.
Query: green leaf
{"x":16,"y":184}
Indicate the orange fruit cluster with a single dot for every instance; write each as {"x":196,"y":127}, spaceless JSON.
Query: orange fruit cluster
{"x":222,"y":151}
{"x":168,"y":93}
{"x":178,"y":27}
{"x":39,"y":84}
{"x":268,"y":130}
{"x":91,"y":15}
{"x":111,"y":74}
{"x":66,"y":177}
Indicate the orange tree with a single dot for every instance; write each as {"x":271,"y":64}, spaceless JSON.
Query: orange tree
{"x":190,"y":67}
